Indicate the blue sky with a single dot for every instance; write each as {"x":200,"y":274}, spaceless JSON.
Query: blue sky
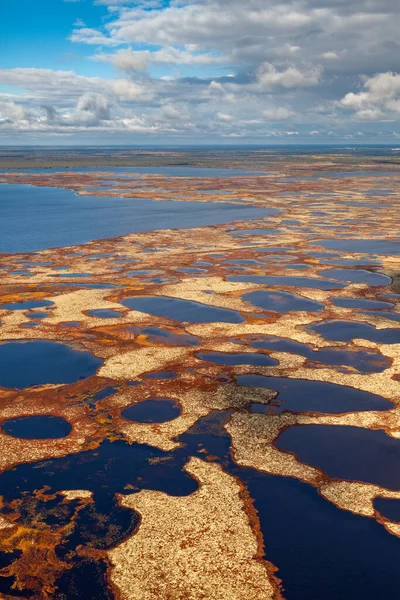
{"x":35,"y":33}
{"x":206,"y":71}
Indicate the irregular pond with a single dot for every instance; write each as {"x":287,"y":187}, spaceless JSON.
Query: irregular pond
{"x":358,"y":276}
{"x":37,"y":427}
{"x":287,"y":281}
{"x":346,"y":331}
{"x":351,"y":453}
{"x":384,"y":314}
{"x":158,"y":410}
{"x":186,"y":311}
{"x":360,"y":303}
{"x":365,"y":361}
{"x":282,"y":302}
{"x":28,"y":305}
{"x":300,"y":395}
{"x":370,"y":246}
{"x":43,"y":362}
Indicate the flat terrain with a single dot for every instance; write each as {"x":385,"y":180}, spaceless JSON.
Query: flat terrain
{"x":200,"y":409}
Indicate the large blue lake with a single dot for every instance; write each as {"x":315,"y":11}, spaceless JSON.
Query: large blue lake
{"x":36,"y":218}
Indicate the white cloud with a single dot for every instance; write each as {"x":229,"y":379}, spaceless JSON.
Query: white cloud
{"x":224,"y":117}
{"x":12,"y":111}
{"x":86,"y":35}
{"x":94,"y":106}
{"x":270,"y":77}
{"x":220,"y":68}
{"x":128,"y":90}
{"x":330,"y":55}
{"x":278,"y":114}
{"x":379,"y":99}
{"x":139,"y":60}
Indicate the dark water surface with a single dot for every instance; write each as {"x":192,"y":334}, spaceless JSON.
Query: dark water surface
{"x":37,"y":427}
{"x":28,"y":363}
{"x":360,"y":303}
{"x":346,"y":331}
{"x":300,"y":282}
{"x":182,"y":310}
{"x":282,"y":302}
{"x":36,"y":218}
{"x":159,"y":410}
{"x":365,"y":361}
{"x":365,"y":246}
{"x":298,"y":395}
{"x":321,"y":552}
{"x":28,"y":305}
{"x":351,"y":453}
{"x":358,"y":276}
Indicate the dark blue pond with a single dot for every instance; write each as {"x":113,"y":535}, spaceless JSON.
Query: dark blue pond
{"x":351,"y":453}
{"x":158,"y":410}
{"x":358,"y":276}
{"x":37,"y":427}
{"x":385,"y":314}
{"x":27,"y":363}
{"x":365,"y":361}
{"x":346,"y":331}
{"x":186,"y":311}
{"x":300,"y":395}
{"x":38,"y":315}
{"x":389,"y":508}
{"x":360,"y":303}
{"x":322,"y":553}
{"x":282,"y":302}
{"x":35,"y":218}
{"x":371,"y":246}
{"x":28,"y":305}
{"x":300,"y":282}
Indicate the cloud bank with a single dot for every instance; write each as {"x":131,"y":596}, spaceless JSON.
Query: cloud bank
{"x":218,"y":69}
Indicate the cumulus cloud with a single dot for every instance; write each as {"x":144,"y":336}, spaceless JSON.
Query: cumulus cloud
{"x":269,"y":77}
{"x":127,"y":90}
{"x":94,"y":106}
{"x":220,"y":68}
{"x":379,"y":98}
{"x":12,"y":111}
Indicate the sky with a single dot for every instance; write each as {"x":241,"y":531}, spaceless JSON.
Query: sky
{"x":199,"y":72}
